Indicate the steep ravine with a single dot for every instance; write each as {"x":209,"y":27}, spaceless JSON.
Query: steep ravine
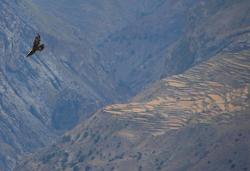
{"x":98,"y":53}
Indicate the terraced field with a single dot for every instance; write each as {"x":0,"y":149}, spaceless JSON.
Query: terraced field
{"x":198,"y":120}
{"x":217,"y":88}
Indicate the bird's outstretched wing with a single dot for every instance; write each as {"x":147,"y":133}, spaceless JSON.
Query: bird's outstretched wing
{"x":31,"y":53}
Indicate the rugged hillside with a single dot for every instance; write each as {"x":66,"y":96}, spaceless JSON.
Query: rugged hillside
{"x":149,"y":39}
{"x":98,"y":52}
{"x":172,"y":38}
{"x":43,"y":95}
{"x":198,"y":120}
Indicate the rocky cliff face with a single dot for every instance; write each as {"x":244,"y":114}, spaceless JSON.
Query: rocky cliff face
{"x":150,"y":39}
{"x":99,"y":53}
{"x":172,"y":38}
{"x":198,"y":120}
{"x":48,"y":93}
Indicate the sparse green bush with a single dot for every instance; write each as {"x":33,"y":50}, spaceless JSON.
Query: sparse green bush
{"x":85,"y":135}
{"x":65,"y":159}
{"x":76,"y":168}
{"x":232,"y":166}
{"x":139,"y":156}
{"x":87,"y":168}
{"x":82,"y":158}
{"x":158,"y":164}
{"x":66,"y":138}
{"x":118,"y":145}
{"x":90,"y":153}
{"x":47,"y":158}
{"x":77,"y":137}
{"x":96,"y":140}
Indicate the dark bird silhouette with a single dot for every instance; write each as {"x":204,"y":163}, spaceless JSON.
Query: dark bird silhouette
{"x":36,"y":45}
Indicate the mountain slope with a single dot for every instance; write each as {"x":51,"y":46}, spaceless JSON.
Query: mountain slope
{"x":149,"y":39}
{"x":198,"y":120}
{"x":40,"y":97}
{"x":97,"y":53}
{"x":174,"y":37}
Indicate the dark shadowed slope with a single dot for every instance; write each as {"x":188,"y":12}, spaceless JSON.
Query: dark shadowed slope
{"x":98,"y":52}
{"x":198,"y":120}
{"x":42,"y":96}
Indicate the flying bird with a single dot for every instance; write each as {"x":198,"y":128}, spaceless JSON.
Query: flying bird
{"x":36,"y":45}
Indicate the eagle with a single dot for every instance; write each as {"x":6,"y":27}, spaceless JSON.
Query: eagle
{"x":36,"y":45}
